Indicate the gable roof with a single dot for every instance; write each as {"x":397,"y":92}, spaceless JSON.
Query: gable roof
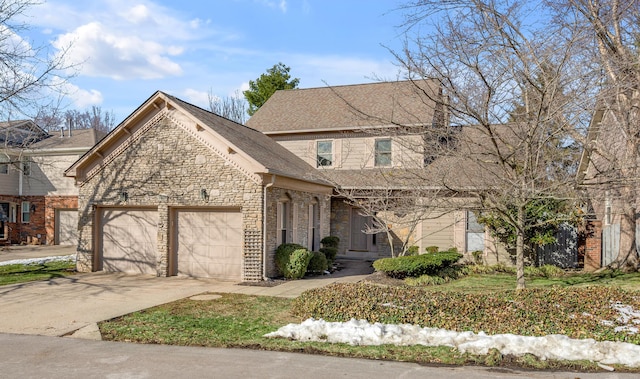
{"x":348,"y":107}
{"x":20,"y":133}
{"x":247,"y":147}
{"x":68,"y":139}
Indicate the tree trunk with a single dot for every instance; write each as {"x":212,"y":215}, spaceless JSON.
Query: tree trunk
{"x":520,"y":285}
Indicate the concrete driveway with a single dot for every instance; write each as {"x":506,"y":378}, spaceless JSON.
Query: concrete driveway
{"x":73,"y":305}
{"x":63,"y":305}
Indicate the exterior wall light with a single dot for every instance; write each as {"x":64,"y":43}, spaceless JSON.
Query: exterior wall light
{"x":204,"y":195}
{"x":124,"y":196}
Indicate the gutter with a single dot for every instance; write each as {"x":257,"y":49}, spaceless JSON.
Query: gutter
{"x":264,"y":227}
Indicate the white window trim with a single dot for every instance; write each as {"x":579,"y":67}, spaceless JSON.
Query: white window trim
{"x":333,"y":158}
{"x":390,"y":152}
{"x":27,"y":205}
{"x":283,"y":211}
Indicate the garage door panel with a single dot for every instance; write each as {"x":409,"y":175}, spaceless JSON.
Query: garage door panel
{"x":129,"y":240}
{"x":209,"y":244}
{"x":66,"y":227}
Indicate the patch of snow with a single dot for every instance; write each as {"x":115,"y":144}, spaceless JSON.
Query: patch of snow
{"x":628,"y":318}
{"x":558,"y":347}
{"x":39,"y":261}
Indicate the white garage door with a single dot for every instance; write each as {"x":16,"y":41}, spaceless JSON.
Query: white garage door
{"x":209,"y":244}
{"x":66,"y":227}
{"x":129,"y":240}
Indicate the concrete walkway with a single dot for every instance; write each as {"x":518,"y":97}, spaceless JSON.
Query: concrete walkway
{"x":73,"y":305}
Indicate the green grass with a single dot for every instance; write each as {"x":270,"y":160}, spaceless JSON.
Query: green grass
{"x":505,"y":281}
{"x":240,"y":321}
{"x":20,"y":273}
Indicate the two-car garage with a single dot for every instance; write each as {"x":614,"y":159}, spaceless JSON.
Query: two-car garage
{"x":205,"y":242}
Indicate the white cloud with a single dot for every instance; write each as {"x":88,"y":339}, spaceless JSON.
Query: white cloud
{"x":196,"y":97}
{"x":282,"y":4}
{"x":103,"y":52}
{"x":136,"y":14}
{"x":81,"y":98}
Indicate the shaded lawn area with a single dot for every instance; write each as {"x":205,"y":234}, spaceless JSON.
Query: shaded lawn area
{"x":240,"y":321}
{"x":20,"y":273}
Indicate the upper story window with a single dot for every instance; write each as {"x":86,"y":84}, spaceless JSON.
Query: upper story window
{"x":4,"y":164}
{"x":324,"y":153}
{"x":26,"y":166}
{"x":383,"y":152}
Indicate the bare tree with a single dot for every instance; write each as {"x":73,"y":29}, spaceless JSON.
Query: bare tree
{"x":609,"y":31}
{"x":29,"y":75}
{"x":232,"y":107}
{"x":494,"y":61}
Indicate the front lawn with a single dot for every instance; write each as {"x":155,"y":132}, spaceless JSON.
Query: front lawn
{"x":20,"y":273}
{"x":562,"y":305}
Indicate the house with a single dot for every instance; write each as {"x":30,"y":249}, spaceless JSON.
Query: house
{"x":370,"y":141}
{"x":607,"y":176}
{"x":37,"y":204}
{"x":177,"y":190}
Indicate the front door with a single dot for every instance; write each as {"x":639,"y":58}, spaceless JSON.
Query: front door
{"x":358,"y":237}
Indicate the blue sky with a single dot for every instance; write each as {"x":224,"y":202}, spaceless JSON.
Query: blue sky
{"x":128,"y":49}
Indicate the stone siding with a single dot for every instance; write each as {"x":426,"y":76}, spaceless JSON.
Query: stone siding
{"x":300,"y":201}
{"x":166,"y":168}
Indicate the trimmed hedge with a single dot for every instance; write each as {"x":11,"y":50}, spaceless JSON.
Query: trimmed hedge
{"x":417,"y":265}
{"x":298,"y":263}
{"x":329,"y":253}
{"x":284,"y":254}
{"x":318,"y":263}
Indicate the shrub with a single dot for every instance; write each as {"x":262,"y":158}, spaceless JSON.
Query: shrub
{"x":330,"y":253}
{"x":414,"y":266}
{"x":425,"y":280}
{"x":477,"y":256}
{"x":298,"y":263}
{"x":431,"y":249}
{"x":318,"y":262}
{"x":330,"y":241}
{"x":412,"y":250}
{"x":283,"y":254}
{"x":551,"y":271}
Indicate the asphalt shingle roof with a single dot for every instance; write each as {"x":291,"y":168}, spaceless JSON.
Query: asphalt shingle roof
{"x":339,"y":107}
{"x":263,"y":149}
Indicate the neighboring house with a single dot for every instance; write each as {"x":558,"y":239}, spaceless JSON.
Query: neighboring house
{"x":37,"y":203}
{"x":605,"y":184}
{"x":177,"y":190}
{"x":370,"y":138}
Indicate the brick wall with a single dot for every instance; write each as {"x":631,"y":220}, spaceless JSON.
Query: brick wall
{"x":593,"y":245}
{"x":51,"y":204}
{"x":20,"y":232}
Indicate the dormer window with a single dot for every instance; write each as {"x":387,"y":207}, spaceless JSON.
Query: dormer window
{"x":324,"y":153}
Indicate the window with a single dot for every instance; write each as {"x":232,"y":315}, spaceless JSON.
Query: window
{"x":475,"y":233}
{"x":383,"y":152}
{"x":283,"y":216}
{"x":26,"y":166}
{"x":4,"y":164}
{"x":26,"y":209}
{"x":314,"y":227}
{"x":324,"y":153}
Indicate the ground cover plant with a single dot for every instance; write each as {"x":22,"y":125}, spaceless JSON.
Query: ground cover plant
{"x":241,"y":321}
{"x":20,"y":273}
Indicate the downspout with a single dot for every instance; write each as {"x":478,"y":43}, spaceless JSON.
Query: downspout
{"x":264,"y":227}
